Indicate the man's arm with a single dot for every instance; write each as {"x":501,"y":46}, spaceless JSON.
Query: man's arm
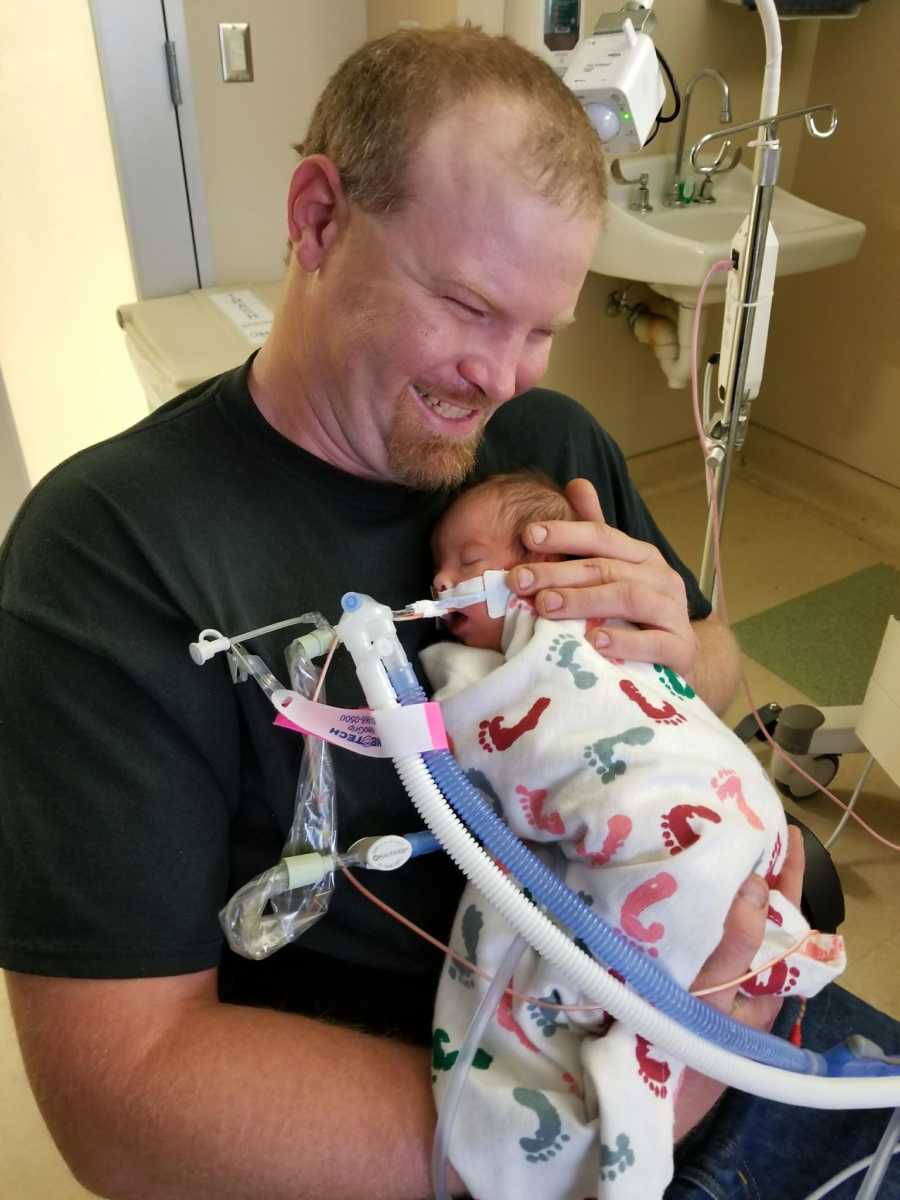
{"x":717,"y":668}
{"x":153,"y":1090}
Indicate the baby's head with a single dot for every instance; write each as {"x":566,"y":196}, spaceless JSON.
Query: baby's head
{"x":482,"y":531}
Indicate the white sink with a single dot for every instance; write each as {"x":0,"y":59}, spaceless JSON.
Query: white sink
{"x":671,"y":249}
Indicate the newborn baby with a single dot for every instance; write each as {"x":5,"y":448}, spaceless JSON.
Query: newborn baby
{"x":651,"y":809}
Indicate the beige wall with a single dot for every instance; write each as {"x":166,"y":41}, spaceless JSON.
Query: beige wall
{"x":598,"y":360}
{"x":833,"y":369}
{"x":246,"y":129}
{"x":64,"y":258}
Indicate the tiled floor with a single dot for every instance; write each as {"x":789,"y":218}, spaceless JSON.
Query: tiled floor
{"x":774,"y":551}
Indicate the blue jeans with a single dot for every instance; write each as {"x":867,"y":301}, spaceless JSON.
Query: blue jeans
{"x":752,"y":1149}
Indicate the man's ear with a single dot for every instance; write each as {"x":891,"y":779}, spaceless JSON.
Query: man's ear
{"x":316,"y":206}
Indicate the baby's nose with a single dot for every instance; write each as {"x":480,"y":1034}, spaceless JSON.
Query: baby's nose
{"x":442,"y":580}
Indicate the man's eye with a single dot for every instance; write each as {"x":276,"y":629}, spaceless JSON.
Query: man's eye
{"x":469,"y":308}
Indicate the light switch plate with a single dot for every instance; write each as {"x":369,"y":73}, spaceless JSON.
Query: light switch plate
{"x":234,"y":47}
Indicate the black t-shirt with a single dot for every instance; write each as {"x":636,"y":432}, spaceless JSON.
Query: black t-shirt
{"x":140,"y":791}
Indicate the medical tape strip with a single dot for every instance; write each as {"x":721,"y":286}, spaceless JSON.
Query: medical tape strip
{"x":387,"y":733}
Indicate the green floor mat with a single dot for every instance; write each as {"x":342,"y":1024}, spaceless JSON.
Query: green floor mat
{"x":825,"y":643}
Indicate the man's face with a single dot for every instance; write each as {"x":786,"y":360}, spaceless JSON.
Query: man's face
{"x":473,"y":537}
{"x":429,"y":319}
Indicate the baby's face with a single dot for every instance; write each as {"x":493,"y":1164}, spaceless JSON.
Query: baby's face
{"x":472,"y":538}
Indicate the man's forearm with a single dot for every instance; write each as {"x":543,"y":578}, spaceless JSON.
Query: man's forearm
{"x":717,"y":668}
{"x":225,"y":1101}
{"x":266,"y":1104}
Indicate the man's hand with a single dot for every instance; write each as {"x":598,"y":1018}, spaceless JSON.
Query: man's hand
{"x":741,"y":938}
{"x":607,"y":575}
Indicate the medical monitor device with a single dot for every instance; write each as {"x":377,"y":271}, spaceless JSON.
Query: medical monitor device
{"x":615,"y":74}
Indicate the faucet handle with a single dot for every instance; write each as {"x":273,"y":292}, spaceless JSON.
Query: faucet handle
{"x":615,"y":170}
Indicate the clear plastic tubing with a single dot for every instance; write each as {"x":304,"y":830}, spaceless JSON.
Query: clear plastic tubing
{"x":440,"y":1149}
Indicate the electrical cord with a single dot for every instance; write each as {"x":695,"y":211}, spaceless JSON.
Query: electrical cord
{"x":676,"y":95}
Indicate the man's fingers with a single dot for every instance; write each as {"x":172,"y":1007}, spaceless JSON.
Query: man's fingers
{"x":790,"y":881}
{"x":741,"y":938}
{"x":584,"y":574}
{"x":676,"y":650}
{"x":582,"y":495}
{"x":588,"y":539}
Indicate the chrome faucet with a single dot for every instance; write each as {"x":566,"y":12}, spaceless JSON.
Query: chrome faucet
{"x":674,"y":197}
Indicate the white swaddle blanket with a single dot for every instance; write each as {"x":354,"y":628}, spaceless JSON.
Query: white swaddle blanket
{"x":656,"y":813}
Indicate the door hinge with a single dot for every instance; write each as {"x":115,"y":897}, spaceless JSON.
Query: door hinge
{"x":172,"y":67}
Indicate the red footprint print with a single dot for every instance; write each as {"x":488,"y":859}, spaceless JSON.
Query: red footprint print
{"x":727,"y":786}
{"x":506,"y":1020}
{"x":664,"y":714}
{"x":655,"y":1072}
{"x":827,"y":953}
{"x":533,"y":807}
{"x":492,"y":736}
{"x":618,"y":828}
{"x":770,"y":876}
{"x":772,"y":879}
{"x":650,"y":892}
{"x":782,"y":979}
{"x":678,"y":833}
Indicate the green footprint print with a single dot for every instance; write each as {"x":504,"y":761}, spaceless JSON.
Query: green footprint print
{"x":674,"y":683}
{"x":442,"y":1061}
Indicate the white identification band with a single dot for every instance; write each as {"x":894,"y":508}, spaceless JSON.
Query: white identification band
{"x":387,"y":733}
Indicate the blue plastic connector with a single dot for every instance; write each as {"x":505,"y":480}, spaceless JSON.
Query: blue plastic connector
{"x":859,"y":1057}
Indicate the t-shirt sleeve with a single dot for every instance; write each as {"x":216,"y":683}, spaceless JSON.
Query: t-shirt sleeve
{"x":119,"y":771}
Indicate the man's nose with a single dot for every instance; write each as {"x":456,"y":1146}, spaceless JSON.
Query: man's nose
{"x":495,"y":367}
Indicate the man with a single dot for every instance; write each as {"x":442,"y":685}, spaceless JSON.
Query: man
{"x":441,"y":225}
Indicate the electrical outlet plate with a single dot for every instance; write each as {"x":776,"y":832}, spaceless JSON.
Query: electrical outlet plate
{"x":234,"y":49}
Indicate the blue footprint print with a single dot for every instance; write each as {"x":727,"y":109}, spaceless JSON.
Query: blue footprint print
{"x":600,"y":753}
{"x":472,"y":923}
{"x":614,"y":1163}
{"x":548,"y":1138}
{"x":548,"y":1019}
{"x":564,"y":648}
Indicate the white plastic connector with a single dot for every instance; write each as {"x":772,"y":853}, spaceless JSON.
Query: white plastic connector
{"x":209,"y":643}
{"x":367,"y":630}
{"x":317,"y":643}
{"x":304,"y":869}
{"x":385,"y":853}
